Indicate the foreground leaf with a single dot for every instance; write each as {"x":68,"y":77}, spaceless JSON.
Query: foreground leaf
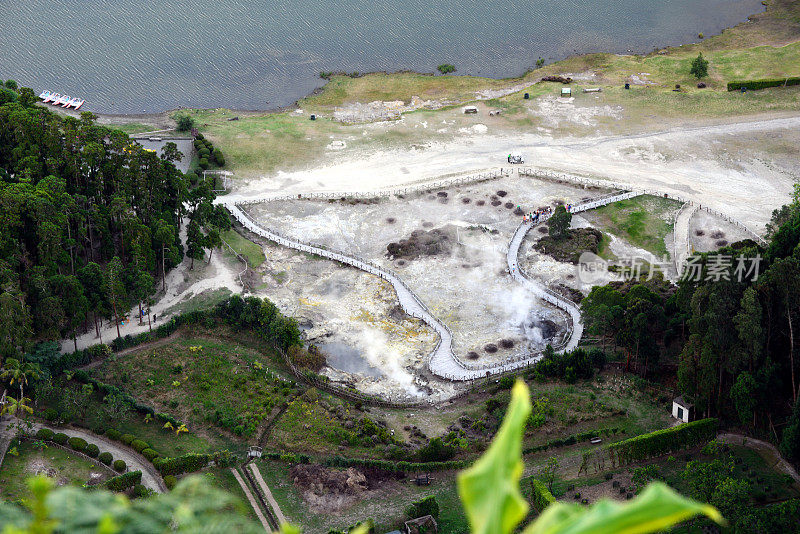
{"x":489,"y":489}
{"x":657,"y":508}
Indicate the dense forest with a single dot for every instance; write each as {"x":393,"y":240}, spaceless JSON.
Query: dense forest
{"x":726,"y":336}
{"x":90,"y":222}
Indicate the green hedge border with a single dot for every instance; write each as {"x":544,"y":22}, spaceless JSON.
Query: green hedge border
{"x":755,"y":85}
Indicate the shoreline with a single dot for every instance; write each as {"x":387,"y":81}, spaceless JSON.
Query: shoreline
{"x":155,"y":117}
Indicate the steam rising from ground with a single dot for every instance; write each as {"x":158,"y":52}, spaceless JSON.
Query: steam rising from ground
{"x":379,"y":353}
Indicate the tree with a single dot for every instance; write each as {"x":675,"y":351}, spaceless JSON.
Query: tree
{"x":15,"y":324}
{"x":17,"y":407}
{"x":164,"y":236}
{"x":790,"y":444}
{"x":195,"y":240}
{"x":699,"y":67}
{"x":745,"y":398}
{"x":548,"y":472}
{"x":559,"y":222}
{"x":184,"y":123}
{"x":114,"y":288}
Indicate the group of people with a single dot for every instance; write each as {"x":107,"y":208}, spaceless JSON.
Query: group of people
{"x":534,"y":216}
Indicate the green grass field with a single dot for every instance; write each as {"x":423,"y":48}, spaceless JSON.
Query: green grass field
{"x":643,"y":221}
{"x":203,"y":381}
{"x":61,"y":465}
{"x":251,"y":251}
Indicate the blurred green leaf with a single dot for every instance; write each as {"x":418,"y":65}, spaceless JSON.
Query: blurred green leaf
{"x":657,"y":508}
{"x":489,"y":489}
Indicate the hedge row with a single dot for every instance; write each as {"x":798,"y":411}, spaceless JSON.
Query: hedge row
{"x":662,"y":441}
{"x":541,"y":497}
{"x":763,"y":84}
{"x":77,"y":444}
{"x":572,"y":440}
{"x":385,"y":465}
{"x":189,"y":463}
{"x":123,"y":482}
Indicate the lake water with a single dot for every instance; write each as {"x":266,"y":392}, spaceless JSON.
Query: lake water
{"x":133,"y":57}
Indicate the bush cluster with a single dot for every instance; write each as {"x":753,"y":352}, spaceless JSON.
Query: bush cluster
{"x":207,"y":153}
{"x":92,"y":450}
{"x":45,"y":434}
{"x":61,"y":439}
{"x":170,"y":481}
{"x":105,"y":457}
{"x":119,"y":466}
{"x":188,"y":463}
{"x":123,"y":482}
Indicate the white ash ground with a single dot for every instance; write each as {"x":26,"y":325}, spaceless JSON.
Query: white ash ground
{"x":466,"y":287}
{"x":339,"y":305}
{"x":708,"y":232}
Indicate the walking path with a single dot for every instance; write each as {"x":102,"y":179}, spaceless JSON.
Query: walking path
{"x":251,"y":499}
{"x":681,"y":235}
{"x":151,"y":478}
{"x":774,"y":454}
{"x":442,"y":361}
{"x":267,"y":493}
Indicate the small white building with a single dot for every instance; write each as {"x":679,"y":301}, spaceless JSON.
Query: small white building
{"x":682,"y":410}
{"x":470,"y":110}
{"x":566,"y":92}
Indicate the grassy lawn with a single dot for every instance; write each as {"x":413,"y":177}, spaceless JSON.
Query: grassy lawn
{"x":204,"y":381}
{"x":251,"y":251}
{"x":224,"y":480}
{"x":63,"y":467}
{"x":643,"y":221}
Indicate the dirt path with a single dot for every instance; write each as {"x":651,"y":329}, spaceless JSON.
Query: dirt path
{"x":767,"y":450}
{"x":267,"y":493}
{"x":129,"y":350}
{"x":681,"y":233}
{"x":251,"y":499}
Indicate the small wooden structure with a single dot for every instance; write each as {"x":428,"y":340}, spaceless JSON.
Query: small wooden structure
{"x":470,"y":110}
{"x":422,"y":524}
{"x":682,"y":410}
{"x":254,"y":451}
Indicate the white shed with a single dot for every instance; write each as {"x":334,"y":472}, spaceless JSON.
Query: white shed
{"x":682,"y":410}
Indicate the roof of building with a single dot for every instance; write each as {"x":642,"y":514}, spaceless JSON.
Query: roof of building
{"x":680,"y":401}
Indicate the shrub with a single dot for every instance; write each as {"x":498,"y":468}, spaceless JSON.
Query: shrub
{"x":105,"y":457}
{"x":77,"y":444}
{"x":51,"y":415}
{"x":187,"y":463}
{"x":45,"y":433}
{"x":185,"y":123}
{"x":150,"y":454}
{"x":139,"y":445}
{"x":446,"y":68}
{"x":170,"y":481}
{"x":423,"y":507}
{"x":699,"y":67}
{"x":120,"y":466}
{"x":123,"y":482}
{"x":141,"y":491}
{"x":541,"y":496}
{"x":92,"y":450}
{"x":218,"y":157}
{"x":116,"y":435}
{"x":61,"y":439}
{"x":203,"y":163}
{"x":204,"y":153}
{"x":127,"y":439}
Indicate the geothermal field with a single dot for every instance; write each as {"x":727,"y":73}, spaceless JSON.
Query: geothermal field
{"x":449,"y":246}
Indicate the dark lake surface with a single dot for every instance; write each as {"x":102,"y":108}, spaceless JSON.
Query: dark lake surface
{"x":133,"y":57}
